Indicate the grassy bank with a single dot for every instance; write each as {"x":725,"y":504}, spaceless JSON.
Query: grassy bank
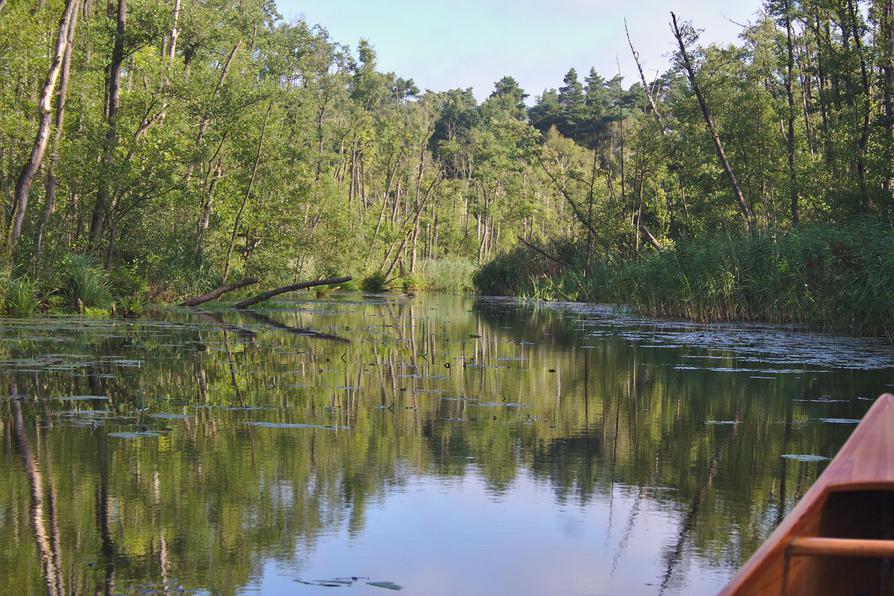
{"x":839,"y":278}
{"x":74,"y":283}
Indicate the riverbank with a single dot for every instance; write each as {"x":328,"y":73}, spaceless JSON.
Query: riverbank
{"x":840,"y":279}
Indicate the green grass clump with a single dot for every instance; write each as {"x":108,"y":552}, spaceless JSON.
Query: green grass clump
{"x":840,"y":278}
{"x":84,"y":283}
{"x":21,"y":297}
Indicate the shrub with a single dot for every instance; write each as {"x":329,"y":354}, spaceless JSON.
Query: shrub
{"x":375,"y":283}
{"x":129,"y":289}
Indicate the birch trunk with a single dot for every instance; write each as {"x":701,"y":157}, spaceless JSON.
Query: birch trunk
{"x":52,"y":183}
{"x":38,"y":151}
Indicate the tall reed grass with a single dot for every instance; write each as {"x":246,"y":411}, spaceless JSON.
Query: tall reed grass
{"x":838,"y":278}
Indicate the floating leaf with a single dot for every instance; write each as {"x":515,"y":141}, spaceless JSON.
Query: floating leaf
{"x":500,"y":404}
{"x":386,"y":585}
{"x":134,"y":435}
{"x":84,"y":398}
{"x":804,"y":457}
{"x":286,"y":425}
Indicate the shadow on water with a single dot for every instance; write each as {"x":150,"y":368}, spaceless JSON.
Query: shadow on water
{"x":526,"y":449}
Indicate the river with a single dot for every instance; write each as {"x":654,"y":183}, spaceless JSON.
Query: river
{"x":433,"y":444}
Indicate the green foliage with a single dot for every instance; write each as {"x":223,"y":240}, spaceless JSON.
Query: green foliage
{"x":349,"y":286}
{"x":302,"y":156}
{"x":838,"y":278}
{"x":447,"y":274}
{"x":375,"y":283}
{"x":524,"y":272}
{"x":127,"y":285}
{"x":20,"y":297}
{"x":411,"y":283}
{"x":84,"y":283}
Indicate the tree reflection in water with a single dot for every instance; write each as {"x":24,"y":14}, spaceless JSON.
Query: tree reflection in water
{"x":460,"y":415}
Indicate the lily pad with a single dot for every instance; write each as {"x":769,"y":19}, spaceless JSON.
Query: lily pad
{"x":500,"y":404}
{"x":84,"y":398}
{"x":386,"y":585}
{"x":169,"y":416}
{"x":143,"y":434}
{"x":286,"y":425}
{"x":804,"y":457}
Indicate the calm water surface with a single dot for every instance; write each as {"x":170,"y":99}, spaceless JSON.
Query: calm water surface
{"x":441,"y":445}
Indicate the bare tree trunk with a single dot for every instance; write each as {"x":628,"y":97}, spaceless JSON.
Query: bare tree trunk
{"x":26,"y":178}
{"x":218,"y":292}
{"x":209,"y":201}
{"x":642,"y":78}
{"x":744,"y":207}
{"x":822,"y":94}
{"x":888,"y":62}
{"x":863,"y":140}
{"x":101,"y":208}
{"x":251,"y":182}
{"x":52,"y":183}
{"x":175,"y":32}
{"x":321,"y":114}
{"x":790,"y":95}
{"x":805,"y":78}
{"x":416,"y":215}
{"x":206,"y":119}
{"x":590,"y":210}
{"x":210,"y":185}
{"x":299,"y":286}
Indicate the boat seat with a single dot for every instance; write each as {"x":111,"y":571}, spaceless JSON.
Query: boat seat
{"x":840,"y":547}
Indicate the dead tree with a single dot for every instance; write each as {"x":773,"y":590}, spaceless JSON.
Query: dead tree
{"x":218,"y":292}
{"x":684,"y":37}
{"x":299,"y":286}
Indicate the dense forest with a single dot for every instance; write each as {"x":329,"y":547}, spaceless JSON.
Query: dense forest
{"x":154,"y":148}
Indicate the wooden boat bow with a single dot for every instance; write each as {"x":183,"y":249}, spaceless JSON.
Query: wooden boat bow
{"x":839,"y":538}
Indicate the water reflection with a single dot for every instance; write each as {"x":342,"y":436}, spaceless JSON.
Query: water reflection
{"x":438,"y":444}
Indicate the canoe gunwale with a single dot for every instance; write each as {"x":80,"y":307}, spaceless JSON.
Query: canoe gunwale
{"x":864,"y":463}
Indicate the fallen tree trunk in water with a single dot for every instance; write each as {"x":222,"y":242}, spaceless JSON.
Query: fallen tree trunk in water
{"x":305,"y":284}
{"x":217,"y":293}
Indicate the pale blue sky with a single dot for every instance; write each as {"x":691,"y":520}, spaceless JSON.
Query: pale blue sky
{"x":466,"y":43}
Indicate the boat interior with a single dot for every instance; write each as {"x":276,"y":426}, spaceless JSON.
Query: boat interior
{"x":848,"y":549}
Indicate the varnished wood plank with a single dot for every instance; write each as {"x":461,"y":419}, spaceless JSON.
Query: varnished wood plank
{"x":840,"y":547}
